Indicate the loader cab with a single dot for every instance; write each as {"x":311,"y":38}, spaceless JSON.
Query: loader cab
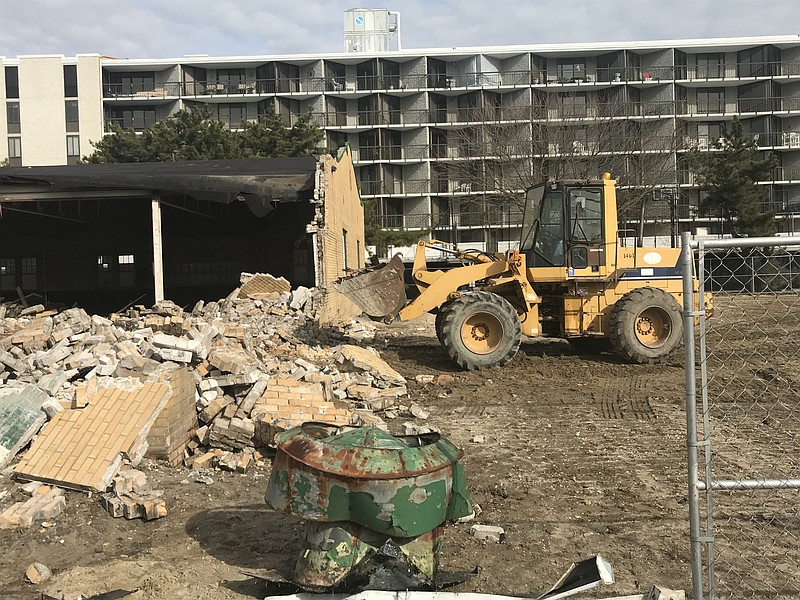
{"x":564,"y":228}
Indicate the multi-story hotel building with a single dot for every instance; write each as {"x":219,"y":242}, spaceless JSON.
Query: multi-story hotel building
{"x":438,"y":135}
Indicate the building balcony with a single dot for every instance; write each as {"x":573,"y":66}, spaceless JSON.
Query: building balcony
{"x":786,"y":175}
{"x":401,"y":221}
{"x":398,"y":187}
{"x":419,"y":152}
{"x":663,"y":74}
{"x":433,"y":81}
{"x":139,"y":92}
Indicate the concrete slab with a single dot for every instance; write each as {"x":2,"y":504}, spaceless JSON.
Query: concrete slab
{"x":21,"y":416}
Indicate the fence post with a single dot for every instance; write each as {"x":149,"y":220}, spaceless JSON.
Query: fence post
{"x":690,"y":378}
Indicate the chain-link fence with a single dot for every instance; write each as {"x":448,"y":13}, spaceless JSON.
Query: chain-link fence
{"x":743,"y":418}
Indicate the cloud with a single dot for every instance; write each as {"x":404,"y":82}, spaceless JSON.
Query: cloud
{"x":172,"y":28}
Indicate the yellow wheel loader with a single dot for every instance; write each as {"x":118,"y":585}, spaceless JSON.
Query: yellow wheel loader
{"x":569,"y":278}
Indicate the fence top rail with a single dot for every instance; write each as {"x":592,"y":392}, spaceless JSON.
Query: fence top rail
{"x":746,"y":242}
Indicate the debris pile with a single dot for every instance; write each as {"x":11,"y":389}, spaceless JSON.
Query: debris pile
{"x":45,"y":503}
{"x":208,"y":388}
{"x":131,"y":497}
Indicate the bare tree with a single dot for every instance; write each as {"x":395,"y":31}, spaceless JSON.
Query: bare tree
{"x":499,"y":151}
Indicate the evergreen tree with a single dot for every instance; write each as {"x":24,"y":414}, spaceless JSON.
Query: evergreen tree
{"x":198,"y":135}
{"x":729,"y":174}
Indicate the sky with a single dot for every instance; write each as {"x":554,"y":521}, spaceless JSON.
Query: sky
{"x":174,"y":28}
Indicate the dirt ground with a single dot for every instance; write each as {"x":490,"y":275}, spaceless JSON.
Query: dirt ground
{"x":572,"y":455}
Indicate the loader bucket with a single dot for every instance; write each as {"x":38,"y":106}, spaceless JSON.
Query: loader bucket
{"x":378,"y":293}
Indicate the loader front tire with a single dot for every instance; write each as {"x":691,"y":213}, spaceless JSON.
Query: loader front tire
{"x":440,"y":313}
{"x":480,"y":330}
{"x":646,"y":326}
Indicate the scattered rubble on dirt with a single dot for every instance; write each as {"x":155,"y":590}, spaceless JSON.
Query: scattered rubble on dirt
{"x":206,"y":389}
{"x":90,"y":396}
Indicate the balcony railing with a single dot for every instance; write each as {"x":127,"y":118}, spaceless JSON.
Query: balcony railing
{"x":400,"y":221}
{"x":656,"y":74}
{"x":395,"y":188}
{"x":663,"y":108}
{"x":786,"y":174}
{"x":139,"y":91}
{"x":444,"y":81}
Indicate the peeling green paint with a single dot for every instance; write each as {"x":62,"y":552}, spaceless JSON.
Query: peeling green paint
{"x":332,"y":550}
{"x":403,"y":505}
{"x":361,"y":487}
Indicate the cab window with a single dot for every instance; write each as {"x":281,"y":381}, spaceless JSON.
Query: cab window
{"x":586,"y":223}
{"x":549,"y":244}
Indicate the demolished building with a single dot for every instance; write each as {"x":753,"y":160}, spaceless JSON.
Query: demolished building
{"x":106,"y":236}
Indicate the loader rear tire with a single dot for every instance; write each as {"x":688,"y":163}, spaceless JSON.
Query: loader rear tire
{"x":481,"y":330}
{"x":646,"y":326}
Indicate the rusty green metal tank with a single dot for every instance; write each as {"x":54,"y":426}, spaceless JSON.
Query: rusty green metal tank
{"x":361,"y":489}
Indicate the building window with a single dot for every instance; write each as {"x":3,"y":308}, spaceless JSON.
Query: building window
{"x":71,"y":112}
{"x":232,"y":114}
{"x":711,"y":66}
{"x":127,"y":270}
{"x":573,"y":106}
{"x":105,"y":271}
{"x":203,"y":273}
{"x":15,"y":151}
{"x":12,"y":82}
{"x":28,"y":270}
{"x":73,"y":149}
{"x":344,"y":250}
{"x":8,"y":274}
{"x":129,"y":84}
{"x":12,"y":117}
{"x":711,"y":100}
{"x":763,"y":61}
{"x":231,"y":80}
{"x":571,"y":70}
{"x":70,"y":81}
{"x":137,"y":119}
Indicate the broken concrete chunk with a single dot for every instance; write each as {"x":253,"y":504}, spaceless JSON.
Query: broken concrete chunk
{"x":355,"y":358}
{"x":21,"y":417}
{"x":40,"y":506}
{"x":162,"y":340}
{"x":32,"y":310}
{"x":12,"y":363}
{"x":132,"y":505}
{"x":52,"y":407}
{"x":179,"y":356}
{"x":52,"y":382}
{"x":414,"y":429}
{"x":488,"y":533}
{"x":299,"y":298}
{"x":214,"y":408}
{"x":230,"y":358}
{"x":419,"y":412}
{"x":261,"y":286}
{"x":37,"y":573}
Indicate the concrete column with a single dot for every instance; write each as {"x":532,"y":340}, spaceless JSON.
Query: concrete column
{"x":158,"y":263}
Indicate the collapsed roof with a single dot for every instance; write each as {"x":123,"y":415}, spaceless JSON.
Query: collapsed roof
{"x":259,"y":182}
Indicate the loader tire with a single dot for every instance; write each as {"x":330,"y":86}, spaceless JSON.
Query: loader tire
{"x":646,"y":326}
{"x":440,"y":312}
{"x":481,"y":330}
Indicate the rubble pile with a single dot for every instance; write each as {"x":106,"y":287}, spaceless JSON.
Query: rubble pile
{"x":238,"y":372}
